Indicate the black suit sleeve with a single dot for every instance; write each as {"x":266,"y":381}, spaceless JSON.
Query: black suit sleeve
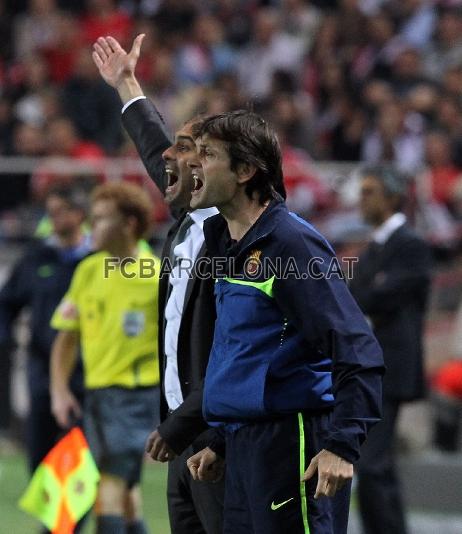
{"x":147,"y":130}
{"x":183,"y":426}
{"x":389,"y":289}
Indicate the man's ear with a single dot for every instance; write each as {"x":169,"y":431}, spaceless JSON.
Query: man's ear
{"x":131,"y":224}
{"x":245,"y":172}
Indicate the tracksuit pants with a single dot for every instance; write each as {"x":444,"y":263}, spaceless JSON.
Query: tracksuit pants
{"x":263,"y":491}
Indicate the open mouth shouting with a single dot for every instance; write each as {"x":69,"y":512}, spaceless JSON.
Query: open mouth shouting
{"x":198,"y":183}
{"x":172,"y":180}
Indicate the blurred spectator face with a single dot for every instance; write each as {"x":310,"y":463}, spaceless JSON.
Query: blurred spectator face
{"x":217,"y":102}
{"x":65,"y":219}
{"x":377,"y":93}
{"x":150,"y":41}
{"x":332,"y":77}
{"x":449,"y":114}
{"x":422,"y":99}
{"x":405,"y":8}
{"x":180,"y":180}
{"x":108,"y":224}
{"x":266,"y":25}
{"x":85,"y":67}
{"x":28,"y":140}
{"x":207,"y":30}
{"x":407,"y":64}
{"x":100,"y":6}
{"x":285,"y":110}
{"x":5,"y":111}
{"x":380,"y":29}
{"x":61,"y":137}
{"x":390,"y":120}
{"x":438,"y":149}
{"x":42,"y":7}
{"x":228,"y":82}
{"x":450,"y":28}
{"x":293,"y":4}
{"x":51,"y":104}
{"x":163,"y":75}
{"x":452,"y":80}
{"x":286,"y":116}
{"x":376,"y":207}
{"x":327,"y":36}
{"x":36,"y":72}
{"x":67,"y":32}
{"x":349,"y":5}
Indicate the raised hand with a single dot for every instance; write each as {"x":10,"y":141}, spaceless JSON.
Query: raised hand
{"x":113,"y":62}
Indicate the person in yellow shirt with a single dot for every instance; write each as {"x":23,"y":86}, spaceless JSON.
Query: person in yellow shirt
{"x":110,"y":308}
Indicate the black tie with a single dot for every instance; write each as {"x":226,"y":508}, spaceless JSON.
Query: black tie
{"x":185,"y":224}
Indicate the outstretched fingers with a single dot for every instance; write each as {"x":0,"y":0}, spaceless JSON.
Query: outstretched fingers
{"x":136,"y":48}
{"x":100,"y":51}
{"x":98,"y":61}
{"x":104,"y":45}
{"x":114,"y":44}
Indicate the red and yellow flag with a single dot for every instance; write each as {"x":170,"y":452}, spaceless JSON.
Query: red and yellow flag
{"x":64,"y":485}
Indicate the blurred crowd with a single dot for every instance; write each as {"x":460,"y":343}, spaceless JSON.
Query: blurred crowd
{"x":341,"y":80}
{"x":360,"y":81}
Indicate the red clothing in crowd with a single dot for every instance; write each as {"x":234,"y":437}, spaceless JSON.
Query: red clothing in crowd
{"x":443,"y":181}
{"x":117,"y":24}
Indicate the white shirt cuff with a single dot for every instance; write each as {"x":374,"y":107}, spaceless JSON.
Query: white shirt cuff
{"x":130,"y":102}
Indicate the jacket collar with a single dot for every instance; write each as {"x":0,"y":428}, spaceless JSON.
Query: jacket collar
{"x":219,"y":242}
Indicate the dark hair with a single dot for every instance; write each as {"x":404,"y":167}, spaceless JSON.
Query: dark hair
{"x":394,"y":183}
{"x":75,"y":197}
{"x":251,"y":140}
{"x":196,"y":122}
{"x":130,"y":200}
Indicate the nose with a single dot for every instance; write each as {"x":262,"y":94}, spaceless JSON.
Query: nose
{"x":167,"y":154}
{"x":193,"y":161}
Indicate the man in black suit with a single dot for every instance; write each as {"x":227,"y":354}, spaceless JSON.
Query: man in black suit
{"x":186,"y":304}
{"x":391,"y":284}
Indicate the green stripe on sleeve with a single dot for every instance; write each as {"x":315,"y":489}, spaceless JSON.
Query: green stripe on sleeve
{"x":301,"y":429}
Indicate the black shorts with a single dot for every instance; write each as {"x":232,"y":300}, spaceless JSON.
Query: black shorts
{"x":117,"y":422}
{"x":263,"y":490}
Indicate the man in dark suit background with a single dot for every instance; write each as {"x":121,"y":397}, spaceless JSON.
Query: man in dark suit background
{"x":186,"y":304}
{"x":391,"y":284}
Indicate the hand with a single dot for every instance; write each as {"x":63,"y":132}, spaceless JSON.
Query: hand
{"x":158,"y":449}
{"x":333,"y":473}
{"x":114,"y":64}
{"x":65,"y":408}
{"x":206,"y":466}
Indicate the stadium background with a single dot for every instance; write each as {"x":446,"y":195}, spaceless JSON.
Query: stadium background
{"x":343,"y":82}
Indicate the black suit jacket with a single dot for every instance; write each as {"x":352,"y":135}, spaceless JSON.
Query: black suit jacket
{"x":146,"y":128}
{"x":391,"y":284}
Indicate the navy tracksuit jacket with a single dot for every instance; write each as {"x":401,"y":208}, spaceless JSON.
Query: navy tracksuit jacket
{"x":292,"y":342}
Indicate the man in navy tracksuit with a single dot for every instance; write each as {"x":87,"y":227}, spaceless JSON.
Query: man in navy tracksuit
{"x":294,"y":376}
{"x":38,"y":282}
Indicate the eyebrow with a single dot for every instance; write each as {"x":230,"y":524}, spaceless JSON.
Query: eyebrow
{"x":184,"y":138}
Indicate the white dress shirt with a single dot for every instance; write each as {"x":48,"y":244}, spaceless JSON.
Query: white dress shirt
{"x":383,"y":233}
{"x":130,"y":102}
{"x":178,"y":279}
